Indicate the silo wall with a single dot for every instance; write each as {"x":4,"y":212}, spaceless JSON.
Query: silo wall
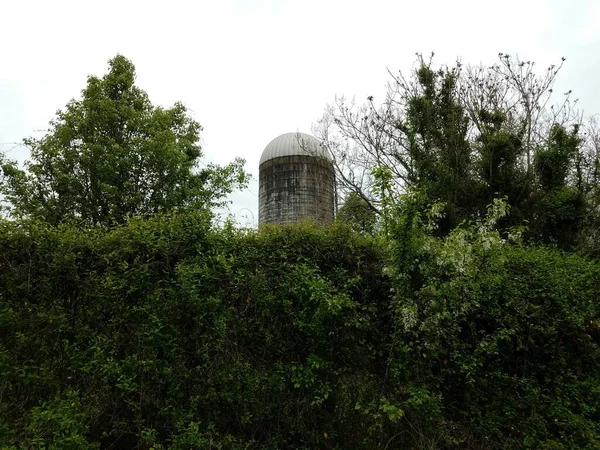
{"x":294,"y":188}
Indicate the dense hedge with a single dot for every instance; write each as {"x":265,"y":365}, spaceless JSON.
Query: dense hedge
{"x":166,"y":333}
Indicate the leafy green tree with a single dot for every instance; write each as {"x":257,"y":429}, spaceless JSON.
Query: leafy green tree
{"x":436,"y":126}
{"x":499,"y":151}
{"x":463,"y":136}
{"x":112,"y":154}
{"x":356,"y":212}
{"x":588,"y":163}
{"x":561,"y":204}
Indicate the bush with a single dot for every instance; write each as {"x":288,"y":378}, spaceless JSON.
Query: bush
{"x":173,"y":334}
{"x":168,"y":334}
{"x":498,"y":344}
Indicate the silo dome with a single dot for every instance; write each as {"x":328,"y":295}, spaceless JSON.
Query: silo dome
{"x":296,"y":181}
{"x":289,"y":144}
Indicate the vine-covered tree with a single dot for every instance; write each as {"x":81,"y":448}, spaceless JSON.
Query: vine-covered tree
{"x":112,"y":154}
{"x":463,"y":136}
{"x":356,"y":213}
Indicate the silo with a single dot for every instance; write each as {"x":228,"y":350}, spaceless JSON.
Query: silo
{"x":296,"y":181}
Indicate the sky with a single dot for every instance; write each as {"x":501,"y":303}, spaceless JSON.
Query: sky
{"x":251,"y":70}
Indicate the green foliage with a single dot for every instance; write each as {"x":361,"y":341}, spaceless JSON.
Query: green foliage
{"x":499,"y":151}
{"x":170,"y":335}
{"x":553,"y":164}
{"x":59,"y":425}
{"x":112,"y":154}
{"x":560,"y":216}
{"x":463,"y":136}
{"x":356,"y":212}
{"x":497,"y":344}
{"x":436,"y":128}
{"x":561,"y":202}
{"x":128,"y":321}
{"x":167,"y":334}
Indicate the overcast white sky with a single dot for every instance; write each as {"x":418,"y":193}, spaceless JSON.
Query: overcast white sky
{"x":252,"y":70}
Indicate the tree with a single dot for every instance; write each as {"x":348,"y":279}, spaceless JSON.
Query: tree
{"x":356,"y":212}
{"x":464,"y":135}
{"x":420,"y":134}
{"x":589,"y":163}
{"x":112,"y":154}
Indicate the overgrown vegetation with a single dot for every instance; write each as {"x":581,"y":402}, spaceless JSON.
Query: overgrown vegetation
{"x":167,"y":334}
{"x":421,"y":319}
{"x":465,"y":135}
{"x":164,"y":332}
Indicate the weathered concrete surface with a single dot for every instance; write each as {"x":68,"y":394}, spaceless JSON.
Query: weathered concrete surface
{"x":294,"y":188}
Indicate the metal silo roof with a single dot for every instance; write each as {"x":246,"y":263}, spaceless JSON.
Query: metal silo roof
{"x":294,"y":144}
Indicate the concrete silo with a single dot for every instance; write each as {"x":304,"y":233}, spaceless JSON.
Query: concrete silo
{"x":296,"y":181}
